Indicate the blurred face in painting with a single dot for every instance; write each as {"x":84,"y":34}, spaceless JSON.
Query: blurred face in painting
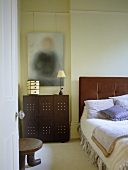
{"x":48,"y":44}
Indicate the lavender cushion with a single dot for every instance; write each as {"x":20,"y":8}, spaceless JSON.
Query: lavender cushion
{"x":115,"y":113}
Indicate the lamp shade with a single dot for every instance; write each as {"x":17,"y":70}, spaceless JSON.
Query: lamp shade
{"x":61,"y":73}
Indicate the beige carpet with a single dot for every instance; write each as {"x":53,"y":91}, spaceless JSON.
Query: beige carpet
{"x":62,"y":156}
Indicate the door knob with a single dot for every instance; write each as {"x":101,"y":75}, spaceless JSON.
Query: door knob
{"x":20,"y":114}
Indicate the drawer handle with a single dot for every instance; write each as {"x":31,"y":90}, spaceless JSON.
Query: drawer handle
{"x":35,"y":87}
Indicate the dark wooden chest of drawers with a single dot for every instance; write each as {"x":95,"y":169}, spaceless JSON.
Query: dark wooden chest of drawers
{"x":46,"y":117}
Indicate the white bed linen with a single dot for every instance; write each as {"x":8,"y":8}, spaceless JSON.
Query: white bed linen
{"x":120,"y":152}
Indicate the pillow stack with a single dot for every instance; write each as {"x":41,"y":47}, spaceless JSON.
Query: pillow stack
{"x":114,"y":108}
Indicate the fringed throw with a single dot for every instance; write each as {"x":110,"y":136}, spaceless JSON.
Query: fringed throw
{"x":93,"y":156}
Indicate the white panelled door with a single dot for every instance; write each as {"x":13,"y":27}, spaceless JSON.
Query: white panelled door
{"x":9,"y":158}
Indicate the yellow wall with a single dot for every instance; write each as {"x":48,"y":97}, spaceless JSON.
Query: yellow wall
{"x":48,"y":21}
{"x":45,"y":5}
{"x":95,"y":31}
{"x":100,"y":5}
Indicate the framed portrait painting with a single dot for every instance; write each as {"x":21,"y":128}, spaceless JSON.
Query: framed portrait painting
{"x":45,"y":57}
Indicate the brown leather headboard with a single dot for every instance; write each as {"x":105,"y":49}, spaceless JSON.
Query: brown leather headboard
{"x":100,"y":88}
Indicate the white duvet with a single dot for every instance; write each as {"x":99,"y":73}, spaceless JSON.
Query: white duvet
{"x":120,"y":152}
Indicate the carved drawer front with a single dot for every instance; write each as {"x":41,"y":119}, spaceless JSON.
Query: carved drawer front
{"x":30,"y":91}
{"x":30,"y":107}
{"x":61,"y":131}
{"x":61,"y":107}
{"x":34,"y":88}
{"x":32,"y":83}
{"x":46,"y":130}
{"x":31,"y":129}
{"x":46,"y":107}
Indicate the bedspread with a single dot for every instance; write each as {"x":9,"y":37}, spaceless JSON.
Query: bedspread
{"x":119,"y":157}
{"x":105,"y":136}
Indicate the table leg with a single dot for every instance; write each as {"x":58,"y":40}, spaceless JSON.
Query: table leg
{"x":32,"y":161}
{"x":22,"y":161}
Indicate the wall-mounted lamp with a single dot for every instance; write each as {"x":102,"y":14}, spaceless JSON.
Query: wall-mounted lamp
{"x":61,"y":75}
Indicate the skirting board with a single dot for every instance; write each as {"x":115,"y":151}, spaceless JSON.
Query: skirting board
{"x":74,"y":132}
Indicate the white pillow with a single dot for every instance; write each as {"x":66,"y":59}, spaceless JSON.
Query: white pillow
{"x":115,"y":98}
{"x":122,"y":103}
{"x":85,"y":113}
{"x":94,"y":106}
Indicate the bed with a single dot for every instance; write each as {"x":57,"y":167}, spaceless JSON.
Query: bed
{"x":98,"y":88}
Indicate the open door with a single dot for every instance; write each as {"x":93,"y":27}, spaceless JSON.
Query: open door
{"x":9,"y":149}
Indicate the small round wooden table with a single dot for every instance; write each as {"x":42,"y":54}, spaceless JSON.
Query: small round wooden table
{"x":28,"y":146}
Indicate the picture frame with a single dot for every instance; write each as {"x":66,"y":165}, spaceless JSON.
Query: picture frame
{"x":45,"y":57}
